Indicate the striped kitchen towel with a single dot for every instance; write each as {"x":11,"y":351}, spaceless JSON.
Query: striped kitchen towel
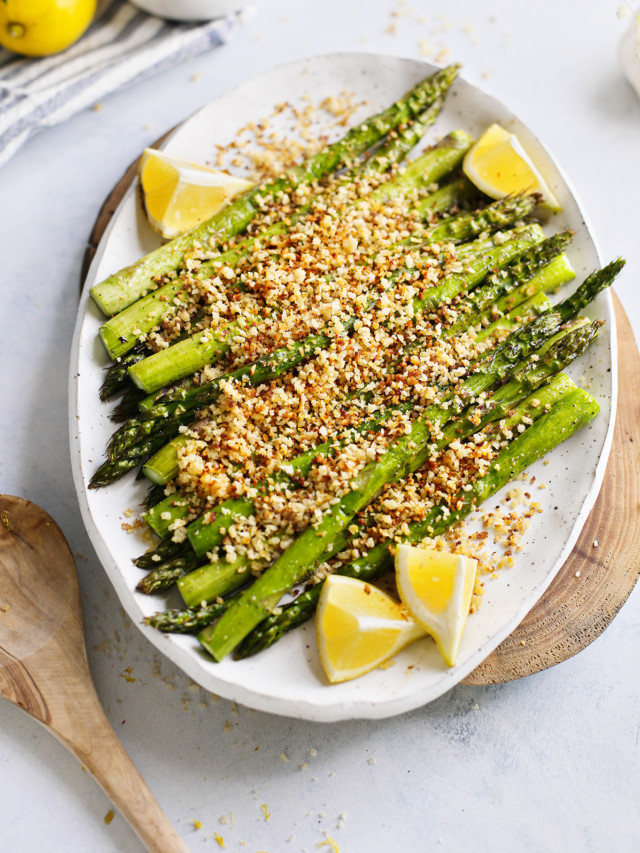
{"x":122,"y":46}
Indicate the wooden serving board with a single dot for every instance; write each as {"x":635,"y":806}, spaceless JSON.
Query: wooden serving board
{"x":604,"y":565}
{"x":596,"y":580}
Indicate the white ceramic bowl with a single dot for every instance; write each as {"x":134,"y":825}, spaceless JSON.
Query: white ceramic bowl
{"x":189,"y":10}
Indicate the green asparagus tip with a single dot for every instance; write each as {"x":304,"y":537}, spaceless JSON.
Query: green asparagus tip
{"x":98,"y":480}
{"x":111,"y":470}
{"x":153,"y":496}
{"x":617,"y":265}
{"x":589,"y":289}
{"x":161,"y":579}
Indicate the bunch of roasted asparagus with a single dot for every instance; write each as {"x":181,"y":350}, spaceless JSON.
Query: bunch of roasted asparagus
{"x":495,"y":266}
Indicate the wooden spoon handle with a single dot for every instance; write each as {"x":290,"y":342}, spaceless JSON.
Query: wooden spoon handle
{"x":44,"y":669}
{"x":97,"y":747}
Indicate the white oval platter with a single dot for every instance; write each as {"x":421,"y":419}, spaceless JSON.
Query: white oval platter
{"x":287,"y":679}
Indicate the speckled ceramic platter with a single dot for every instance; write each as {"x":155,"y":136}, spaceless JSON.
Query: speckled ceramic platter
{"x":287,"y":679}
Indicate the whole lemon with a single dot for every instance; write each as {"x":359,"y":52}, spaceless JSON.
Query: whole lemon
{"x":42,"y":27}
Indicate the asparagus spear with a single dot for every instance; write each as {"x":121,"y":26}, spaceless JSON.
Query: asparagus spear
{"x":141,"y":437}
{"x":116,"y":375}
{"x":191,"y":619}
{"x":293,"y":565}
{"x":500,"y":283}
{"x":163,"y":465}
{"x":571,"y":409}
{"x":202,"y":612}
{"x":167,"y":573}
{"x":154,"y":494}
{"x":132,"y":282}
{"x":557,"y":273}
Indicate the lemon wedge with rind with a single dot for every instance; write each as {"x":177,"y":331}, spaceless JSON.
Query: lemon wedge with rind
{"x":177,"y":195}
{"x":436,"y":588}
{"x":499,"y":166}
{"x":359,"y":627}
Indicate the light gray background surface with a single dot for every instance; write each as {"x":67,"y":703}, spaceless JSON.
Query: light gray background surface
{"x":548,"y":763}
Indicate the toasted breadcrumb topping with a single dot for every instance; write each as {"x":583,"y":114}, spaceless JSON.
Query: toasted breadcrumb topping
{"x":326,"y":259}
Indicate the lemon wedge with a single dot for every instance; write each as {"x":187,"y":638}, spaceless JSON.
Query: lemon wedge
{"x":359,"y":627}
{"x":177,"y":195}
{"x":436,"y":588}
{"x":499,"y":166}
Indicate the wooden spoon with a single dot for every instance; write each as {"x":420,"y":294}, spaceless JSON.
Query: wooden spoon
{"x":44,"y":669}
